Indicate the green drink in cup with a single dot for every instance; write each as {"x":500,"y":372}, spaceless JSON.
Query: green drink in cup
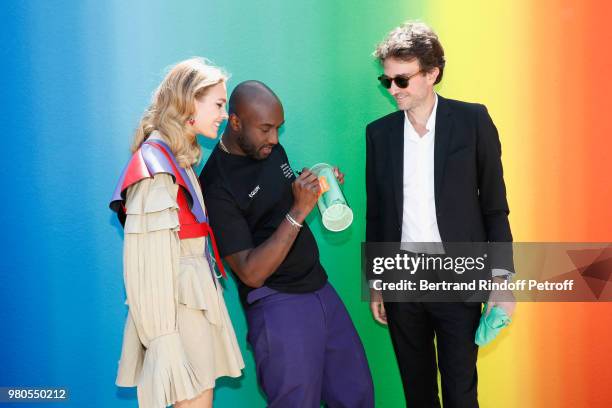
{"x":335,"y":212}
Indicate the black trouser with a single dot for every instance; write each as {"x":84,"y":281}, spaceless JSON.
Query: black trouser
{"x":412,"y":327}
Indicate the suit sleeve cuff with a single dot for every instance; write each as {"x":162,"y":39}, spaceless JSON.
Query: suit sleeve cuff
{"x":502,"y":273}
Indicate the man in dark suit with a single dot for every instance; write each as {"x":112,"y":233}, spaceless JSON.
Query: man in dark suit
{"x":433,"y":174}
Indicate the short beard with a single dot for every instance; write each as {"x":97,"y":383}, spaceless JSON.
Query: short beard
{"x":248,"y":148}
{"x":415,"y":103}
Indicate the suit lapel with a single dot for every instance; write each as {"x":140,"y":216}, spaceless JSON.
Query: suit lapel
{"x":443,"y":136}
{"x":396,"y":151}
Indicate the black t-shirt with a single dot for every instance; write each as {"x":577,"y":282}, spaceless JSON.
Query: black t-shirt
{"x":246,"y":201}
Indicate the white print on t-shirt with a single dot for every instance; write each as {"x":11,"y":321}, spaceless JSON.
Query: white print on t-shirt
{"x":287,"y":172}
{"x":255,"y":190}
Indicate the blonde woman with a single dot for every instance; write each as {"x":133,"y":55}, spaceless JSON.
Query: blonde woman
{"x":178,"y":337}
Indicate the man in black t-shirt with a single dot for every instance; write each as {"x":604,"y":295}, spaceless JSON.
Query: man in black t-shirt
{"x":306,"y":348}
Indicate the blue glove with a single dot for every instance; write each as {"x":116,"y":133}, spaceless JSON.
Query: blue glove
{"x":490,"y":325}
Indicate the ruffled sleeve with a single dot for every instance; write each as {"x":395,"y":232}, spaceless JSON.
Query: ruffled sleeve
{"x":151,"y":266}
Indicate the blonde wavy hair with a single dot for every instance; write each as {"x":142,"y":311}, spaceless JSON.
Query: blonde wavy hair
{"x":173,"y":104}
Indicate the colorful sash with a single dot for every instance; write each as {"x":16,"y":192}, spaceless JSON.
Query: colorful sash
{"x":155,"y":157}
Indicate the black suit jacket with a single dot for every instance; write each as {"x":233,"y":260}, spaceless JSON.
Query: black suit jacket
{"x":470,"y":193}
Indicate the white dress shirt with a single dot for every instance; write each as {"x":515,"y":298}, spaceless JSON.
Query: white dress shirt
{"x":419,"y":222}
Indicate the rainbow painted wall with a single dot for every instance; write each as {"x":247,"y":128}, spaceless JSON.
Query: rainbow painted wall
{"x":76,"y":75}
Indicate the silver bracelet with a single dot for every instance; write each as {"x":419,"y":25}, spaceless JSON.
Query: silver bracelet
{"x":293,"y":222}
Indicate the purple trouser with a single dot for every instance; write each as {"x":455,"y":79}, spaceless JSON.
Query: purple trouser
{"x":307,"y":351}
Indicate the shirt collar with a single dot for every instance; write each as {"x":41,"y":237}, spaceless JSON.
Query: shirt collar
{"x":431,"y":121}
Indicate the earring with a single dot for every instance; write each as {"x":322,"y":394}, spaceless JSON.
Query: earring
{"x":191,"y":121}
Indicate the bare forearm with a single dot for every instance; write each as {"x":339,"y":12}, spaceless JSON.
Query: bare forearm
{"x":254,"y":266}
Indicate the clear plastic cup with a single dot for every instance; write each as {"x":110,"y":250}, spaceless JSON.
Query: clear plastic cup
{"x":335,"y":212}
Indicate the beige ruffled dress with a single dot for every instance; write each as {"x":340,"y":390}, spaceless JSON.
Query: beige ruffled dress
{"x":178,"y":337}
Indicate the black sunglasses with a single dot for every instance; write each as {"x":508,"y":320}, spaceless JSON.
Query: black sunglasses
{"x":400,"y":81}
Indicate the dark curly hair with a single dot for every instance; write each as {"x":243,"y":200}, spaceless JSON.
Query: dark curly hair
{"x":413,"y":40}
